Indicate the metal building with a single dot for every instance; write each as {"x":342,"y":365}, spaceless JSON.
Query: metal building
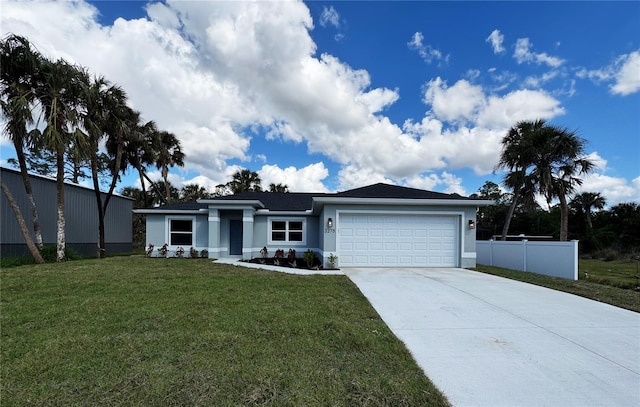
{"x":81,"y":215}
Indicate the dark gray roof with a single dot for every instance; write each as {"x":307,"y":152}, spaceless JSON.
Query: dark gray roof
{"x":393,"y":191}
{"x":302,"y":201}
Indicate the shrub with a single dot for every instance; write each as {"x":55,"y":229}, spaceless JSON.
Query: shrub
{"x":204,"y":253}
{"x":193,"y":253}
{"x":333,"y":261}
{"x":309,"y":257}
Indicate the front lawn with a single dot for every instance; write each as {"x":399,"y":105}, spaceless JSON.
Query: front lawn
{"x":161,"y":332}
{"x":596,"y":287}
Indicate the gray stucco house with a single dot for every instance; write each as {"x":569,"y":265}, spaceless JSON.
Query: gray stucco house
{"x":374,"y":226}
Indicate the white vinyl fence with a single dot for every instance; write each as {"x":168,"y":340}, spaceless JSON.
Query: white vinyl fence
{"x":557,"y":259}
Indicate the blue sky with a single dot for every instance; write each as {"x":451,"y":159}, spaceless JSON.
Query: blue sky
{"x":326,"y":96}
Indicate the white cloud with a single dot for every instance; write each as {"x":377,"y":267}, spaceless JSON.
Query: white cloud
{"x":426,"y":52}
{"x":624,"y":71}
{"x":523,"y":54}
{"x":460,"y":102}
{"x":307,"y":179}
{"x":329,"y":16}
{"x":614,"y":189}
{"x":496,"y":39}
{"x":628,"y":77}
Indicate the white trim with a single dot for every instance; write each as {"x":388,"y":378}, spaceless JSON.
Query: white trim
{"x":248,"y":219}
{"x":167,"y":230}
{"x":263,"y":212}
{"x":214,"y":218}
{"x":160,"y":211}
{"x":271,"y":242}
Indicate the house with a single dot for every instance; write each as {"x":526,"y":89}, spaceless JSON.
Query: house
{"x":374,"y":226}
{"x":81,"y":215}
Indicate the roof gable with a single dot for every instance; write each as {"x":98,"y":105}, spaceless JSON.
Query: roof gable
{"x":381,"y":190}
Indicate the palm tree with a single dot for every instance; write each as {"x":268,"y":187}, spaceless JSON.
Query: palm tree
{"x":106,"y":115}
{"x":58,"y":88}
{"x":191,"y":192}
{"x":558,"y":162}
{"x":518,"y":152}
{"x":278,"y":188}
{"x":586,"y":202}
{"x":168,"y":154}
{"x":245,"y":181}
{"x":22,"y":224}
{"x":20,"y":65}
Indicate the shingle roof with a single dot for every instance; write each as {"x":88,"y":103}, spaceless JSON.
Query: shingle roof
{"x":381,"y":190}
{"x":302,"y":201}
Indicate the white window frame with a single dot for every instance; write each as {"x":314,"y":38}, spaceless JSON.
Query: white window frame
{"x":193,"y":231}
{"x":287,"y":242}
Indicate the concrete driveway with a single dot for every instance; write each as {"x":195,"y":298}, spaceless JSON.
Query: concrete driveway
{"x":488,"y":341}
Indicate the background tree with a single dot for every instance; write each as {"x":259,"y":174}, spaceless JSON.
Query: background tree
{"x":491,"y":218}
{"x":245,"y":181}
{"x":559,"y":160}
{"x":191,"y":192}
{"x":19,"y":66}
{"x":58,"y":88}
{"x":168,"y":154}
{"x":278,"y":188}
{"x":105,"y":115}
{"x":518,"y":153}
{"x":139,"y":227}
{"x":585,"y":202}
{"x":156,"y":194}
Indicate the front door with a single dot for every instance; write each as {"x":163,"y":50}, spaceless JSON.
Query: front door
{"x":235,"y":237}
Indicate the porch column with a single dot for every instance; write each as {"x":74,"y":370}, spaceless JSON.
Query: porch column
{"x":247,"y":233}
{"x":214,"y":233}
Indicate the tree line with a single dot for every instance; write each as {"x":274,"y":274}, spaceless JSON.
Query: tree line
{"x":62,"y":121}
{"x":547,"y":161}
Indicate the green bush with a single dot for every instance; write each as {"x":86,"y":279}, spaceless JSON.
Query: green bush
{"x":48,"y":254}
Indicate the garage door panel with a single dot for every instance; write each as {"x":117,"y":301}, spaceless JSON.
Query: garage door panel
{"x":398,"y":240}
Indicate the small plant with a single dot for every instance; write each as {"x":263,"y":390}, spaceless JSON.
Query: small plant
{"x":163,"y":250}
{"x":180,"y":252}
{"x":150,"y":250}
{"x":279,"y":254}
{"x":204,"y":253}
{"x":193,"y":253}
{"x":333,"y":261}
{"x":264,"y":252}
{"x":291,"y":255}
{"x":309,"y":257}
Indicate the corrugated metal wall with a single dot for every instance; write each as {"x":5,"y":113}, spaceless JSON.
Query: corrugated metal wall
{"x":81,"y":215}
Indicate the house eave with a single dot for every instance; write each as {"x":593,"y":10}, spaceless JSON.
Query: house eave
{"x":159,"y":211}
{"x":320,"y":201}
{"x":232,"y":203}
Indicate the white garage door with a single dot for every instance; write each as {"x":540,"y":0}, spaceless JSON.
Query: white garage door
{"x":397,"y":240}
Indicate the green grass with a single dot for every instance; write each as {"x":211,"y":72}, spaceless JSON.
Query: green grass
{"x":616,"y":273}
{"x":594,"y":288}
{"x":162,"y":332}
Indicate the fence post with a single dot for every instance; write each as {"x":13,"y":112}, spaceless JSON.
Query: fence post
{"x":575,"y":260}
{"x":524,"y":254}
{"x":491,"y":252}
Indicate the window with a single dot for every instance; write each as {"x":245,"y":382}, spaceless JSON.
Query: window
{"x":287,"y":231}
{"x":180,"y":232}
